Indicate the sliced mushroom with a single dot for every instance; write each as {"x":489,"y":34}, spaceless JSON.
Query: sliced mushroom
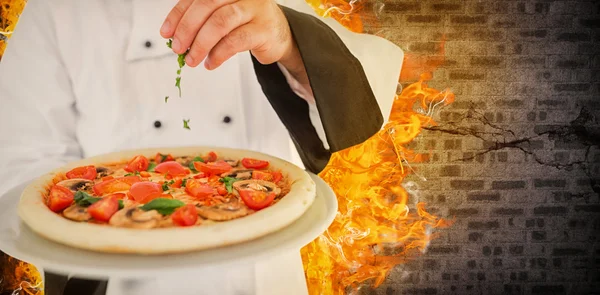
{"x":238,"y":173}
{"x":102,"y":172}
{"x":233,"y":163}
{"x":77,"y":184}
{"x":257,"y":185}
{"x":185,"y":161}
{"x":223,"y":212}
{"x":134,"y":217}
{"x":77,"y":213}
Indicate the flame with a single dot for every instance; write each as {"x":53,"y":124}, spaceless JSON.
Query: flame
{"x":376,"y":227}
{"x":346,"y":13}
{"x":18,"y":277}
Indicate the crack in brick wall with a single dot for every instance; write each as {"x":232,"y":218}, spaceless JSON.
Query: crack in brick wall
{"x":516,"y":158}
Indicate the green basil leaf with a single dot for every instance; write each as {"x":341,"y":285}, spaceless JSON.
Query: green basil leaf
{"x":184,"y":182}
{"x":84,"y":200}
{"x":151,"y":167}
{"x":163,"y":206}
{"x":191,"y":165}
{"x":121,"y":205}
{"x":228,"y":181}
{"x":165,"y":185}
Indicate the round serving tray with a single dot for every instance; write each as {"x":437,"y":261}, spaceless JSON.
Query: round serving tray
{"x":19,"y":241}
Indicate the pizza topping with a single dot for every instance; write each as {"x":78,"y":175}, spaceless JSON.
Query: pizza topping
{"x":199,"y":189}
{"x":103,"y":209}
{"x":257,"y":185}
{"x":171,"y":168}
{"x":216,"y":168}
{"x":77,"y":213}
{"x":254,"y":163}
{"x":134,"y":217}
{"x":255,"y":199}
{"x":59,"y":198}
{"x":232,"y":163}
{"x":138,"y":163}
{"x":102,"y":172}
{"x":210,"y":157}
{"x":82,"y":199}
{"x":163,"y":206}
{"x":239,"y":173}
{"x":223,"y":212}
{"x":159,"y":158}
{"x":185,"y":216}
{"x":151,"y":167}
{"x":191,"y":163}
{"x":76,"y":184}
{"x":115,"y":185}
{"x":145,"y":191}
{"x":228,"y":182}
{"x":85,"y":172}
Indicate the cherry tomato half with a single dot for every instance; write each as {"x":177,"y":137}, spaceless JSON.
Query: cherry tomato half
{"x":277,"y":176}
{"x":218,"y":167}
{"x":198,"y":189}
{"x":138,"y":163}
{"x":115,"y":185}
{"x":210,"y":157}
{"x":221,"y":190}
{"x":144,"y":192}
{"x":185,"y":216}
{"x":86,"y":172}
{"x":60,"y":198}
{"x":171,"y":168}
{"x":262,"y":175}
{"x":104,"y":209}
{"x":254,"y":163}
{"x":160,"y":158}
{"x":256,"y":200}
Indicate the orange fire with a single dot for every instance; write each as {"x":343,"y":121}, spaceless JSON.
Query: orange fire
{"x":18,"y":277}
{"x":376,"y":228}
{"x":374,"y":213}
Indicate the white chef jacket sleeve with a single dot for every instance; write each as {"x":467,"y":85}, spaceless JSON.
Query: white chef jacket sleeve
{"x":37,"y":113}
{"x":380,"y":59}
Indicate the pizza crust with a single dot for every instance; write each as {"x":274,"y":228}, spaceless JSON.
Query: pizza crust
{"x":103,"y":238}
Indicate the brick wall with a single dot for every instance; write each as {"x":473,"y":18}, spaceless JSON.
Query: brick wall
{"x":516,"y":158}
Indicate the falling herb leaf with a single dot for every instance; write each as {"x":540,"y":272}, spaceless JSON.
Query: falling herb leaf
{"x":181,"y":60}
{"x":166,"y":98}
{"x":179,"y":72}
{"x":170,"y":43}
{"x":178,"y":84}
{"x":185,"y":124}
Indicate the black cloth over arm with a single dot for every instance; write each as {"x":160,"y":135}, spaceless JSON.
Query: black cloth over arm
{"x":347,"y":106}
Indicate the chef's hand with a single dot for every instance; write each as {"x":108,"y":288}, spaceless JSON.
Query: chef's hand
{"x":218,"y":29}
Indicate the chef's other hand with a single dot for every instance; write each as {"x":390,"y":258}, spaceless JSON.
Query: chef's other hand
{"x":218,"y":29}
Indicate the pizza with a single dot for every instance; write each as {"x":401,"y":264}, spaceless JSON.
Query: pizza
{"x":156,"y":201}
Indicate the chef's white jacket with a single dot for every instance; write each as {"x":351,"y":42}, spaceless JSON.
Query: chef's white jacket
{"x":82,"y":78}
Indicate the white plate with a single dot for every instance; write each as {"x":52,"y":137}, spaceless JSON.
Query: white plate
{"x":17,"y":240}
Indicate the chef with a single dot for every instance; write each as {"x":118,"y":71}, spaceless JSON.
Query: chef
{"x":82,"y":78}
